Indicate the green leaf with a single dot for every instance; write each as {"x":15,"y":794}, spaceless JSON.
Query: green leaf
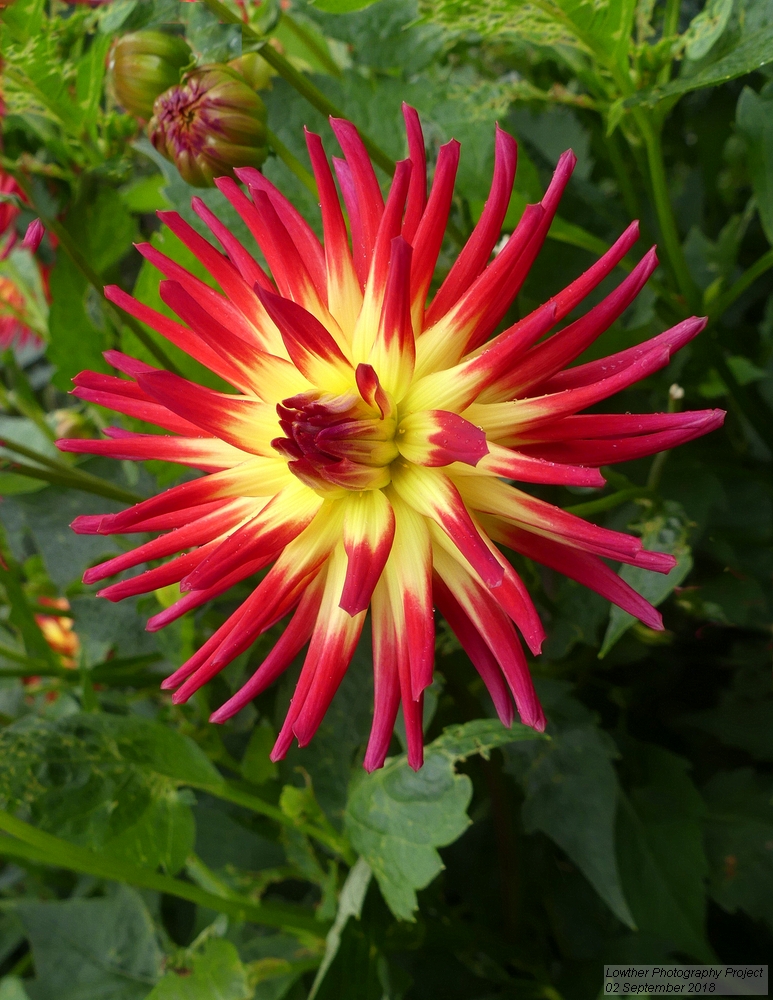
{"x":216,"y":973}
{"x":92,"y":949}
{"x":107,"y":783}
{"x":102,"y":227}
{"x":22,"y":616}
{"x":602,"y":27}
{"x":24,"y":19}
{"x":349,"y":905}
{"x":256,"y":766}
{"x":342,"y":6}
{"x":754,"y":120}
{"x":223,"y":842}
{"x":739,"y":835}
{"x":572,"y":792}
{"x":144,"y":194}
{"x":666,"y":532}
{"x":660,"y":853}
{"x":397,"y":818}
{"x":45,"y":519}
{"x":744,"y":716}
{"x":706,"y":28}
{"x":751,"y":49}
{"x":12,"y":988}
{"x":90,"y":74}
{"x":107,"y":629}
{"x":76,"y":323}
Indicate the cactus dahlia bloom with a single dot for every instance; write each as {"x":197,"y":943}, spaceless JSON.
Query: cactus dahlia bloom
{"x":369,"y":454}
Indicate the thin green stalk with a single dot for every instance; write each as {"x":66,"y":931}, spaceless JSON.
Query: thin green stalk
{"x":664,"y":210}
{"x":292,"y":162}
{"x":670,"y":28}
{"x":727,"y":298}
{"x":305,"y":87}
{"x":30,"y":666}
{"x":627,"y":190}
{"x":44,"y":848}
{"x":675,"y":395}
{"x":608,"y":503}
{"x":77,"y":480}
{"x":329,"y":838}
{"x":311,"y":43}
{"x":36,"y":456}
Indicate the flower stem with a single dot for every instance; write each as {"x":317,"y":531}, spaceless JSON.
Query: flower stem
{"x":330,"y":839}
{"x":75,"y":479}
{"x":31,"y":844}
{"x":305,"y":87}
{"x":608,"y":503}
{"x":305,"y":36}
{"x":675,"y":396}
{"x":750,"y":275}
{"x":292,"y":162}
{"x":664,"y":210}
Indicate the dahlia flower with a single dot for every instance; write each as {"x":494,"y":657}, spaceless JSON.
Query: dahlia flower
{"x":14,"y":332}
{"x":368,"y":456}
{"x":58,"y":630}
{"x":9,"y":211}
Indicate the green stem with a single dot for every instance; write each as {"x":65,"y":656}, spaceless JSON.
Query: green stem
{"x":36,"y":456}
{"x":670,"y":27}
{"x":726,"y":299}
{"x":608,"y":503}
{"x":305,"y":36}
{"x":330,"y":839}
{"x":76,"y":480}
{"x":623,"y":175}
{"x":292,"y":162}
{"x":44,"y":848}
{"x":675,"y":395}
{"x":663,"y":208}
{"x":305,"y":87}
{"x":30,"y":666}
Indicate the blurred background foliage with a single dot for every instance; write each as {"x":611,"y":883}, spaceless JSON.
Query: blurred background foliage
{"x":149,"y":854}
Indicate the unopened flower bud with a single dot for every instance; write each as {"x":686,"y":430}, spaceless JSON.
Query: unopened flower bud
{"x":143,"y":65}
{"x":256,"y":71}
{"x":33,"y":236}
{"x":209,"y":124}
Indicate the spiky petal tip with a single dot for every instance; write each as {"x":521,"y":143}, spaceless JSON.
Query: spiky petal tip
{"x":365,"y":459}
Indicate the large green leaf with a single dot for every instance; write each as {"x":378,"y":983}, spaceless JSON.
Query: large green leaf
{"x":396,"y":818}
{"x":602,"y":27}
{"x":744,"y":716}
{"x":76,"y":322}
{"x":107,"y":783}
{"x":572,"y":792}
{"x":749,"y":48}
{"x":12,"y":988}
{"x":739,"y":835}
{"x":754,"y":118}
{"x":660,"y":853}
{"x":91,"y":949}
{"x":665,"y":532}
{"x":216,"y":973}
{"x":44,"y":518}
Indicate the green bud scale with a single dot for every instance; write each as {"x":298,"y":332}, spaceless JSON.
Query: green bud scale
{"x":209,"y":124}
{"x":143,"y":65}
